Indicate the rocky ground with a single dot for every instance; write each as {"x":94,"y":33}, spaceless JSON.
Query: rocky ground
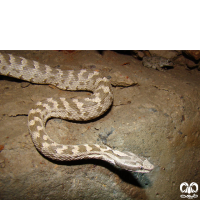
{"x":156,"y":117}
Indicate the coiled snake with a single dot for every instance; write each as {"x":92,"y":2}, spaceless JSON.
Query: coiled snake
{"x":70,"y":109}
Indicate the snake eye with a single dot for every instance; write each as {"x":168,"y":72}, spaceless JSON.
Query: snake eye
{"x":141,"y":167}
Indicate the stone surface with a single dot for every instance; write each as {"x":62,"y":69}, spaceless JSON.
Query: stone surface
{"x":157,"y":118}
{"x":195,"y":54}
{"x":164,"y":53}
{"x":190,"y":64}
{"x":180,"y":60}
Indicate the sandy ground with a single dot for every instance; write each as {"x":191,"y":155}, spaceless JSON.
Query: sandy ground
{"x":157,"y":117}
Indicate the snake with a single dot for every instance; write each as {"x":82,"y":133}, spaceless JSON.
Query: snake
{"x":71,"y":109}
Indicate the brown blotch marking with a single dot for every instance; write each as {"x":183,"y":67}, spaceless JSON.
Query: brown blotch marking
{"x":62,"y":107}
{"x":101,"y":91}
{"x":6,"y":57}
{"x":54,"y":71}
{"x":105,"y":94}
{"x":50,"y":104}
{"x":42,"y":133}
{"x":74,"y":106}
{"x":28,"y":67}
{"x":42,"y":69}
{"x":34,"y":129}
{"x":70,"y":148}
{"x":88,"y":103}
{"x":85,"y":74}
{"x":37,"y":123}
{"x":102,"y":82}
{"x":45,"y":113}
{"x":47,"y":141}
{"x":29,"y":63}
{"x":54,"y":148}
{"x":60,"y":104}
{"x":82,"y":148}
{"x":32,"y":115}
{"x":99,"y":109}
{"x":18,"y":60}
{"x":59,"y":146}
{"x":41,"y":107}
{"x":75,"y":76}
{"x":94,"y":148}
{"x":94,"y":76}
{"x":65,"y":151}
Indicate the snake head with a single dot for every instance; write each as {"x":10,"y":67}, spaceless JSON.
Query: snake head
{"x":131,"y":162}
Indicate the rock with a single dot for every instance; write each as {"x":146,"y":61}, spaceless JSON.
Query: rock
{"x":181,"y":60}
{"x":157,"y":119}
{"x":190,"y":64}
{"x":118,"y":79}
{"x":25,"y":84}
{"x":164,"y":53}
{"x":195,"y":54}
{"x":140,"y":54}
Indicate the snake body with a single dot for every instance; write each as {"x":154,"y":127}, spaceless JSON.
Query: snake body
{"x":71,"y":109}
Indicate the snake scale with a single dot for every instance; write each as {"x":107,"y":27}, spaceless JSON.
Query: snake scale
{"x":74,"y":109}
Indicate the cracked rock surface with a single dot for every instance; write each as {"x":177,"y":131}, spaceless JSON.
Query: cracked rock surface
{"x":155,"y":114}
